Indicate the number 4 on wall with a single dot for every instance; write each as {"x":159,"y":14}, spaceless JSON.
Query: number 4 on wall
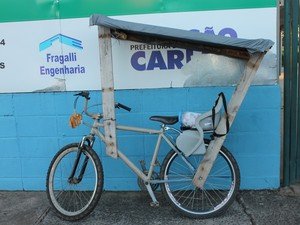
{"x":2,"y":42}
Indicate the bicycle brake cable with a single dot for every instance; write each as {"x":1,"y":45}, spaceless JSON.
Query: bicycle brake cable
{"x":75,"y":104}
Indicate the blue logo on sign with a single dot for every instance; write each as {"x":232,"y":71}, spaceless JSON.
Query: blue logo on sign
{"x":62,"y":63}
{"x":62,"y":39}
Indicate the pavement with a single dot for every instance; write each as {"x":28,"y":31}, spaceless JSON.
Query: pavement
{"x":274,"y":207}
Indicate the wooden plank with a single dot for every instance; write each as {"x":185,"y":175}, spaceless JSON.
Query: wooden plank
{"x":233,"y":107}
{"x":107,"y":82}
{"x":218,"y":50}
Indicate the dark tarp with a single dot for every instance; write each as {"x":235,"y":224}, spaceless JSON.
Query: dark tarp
{"x":251,"y":45}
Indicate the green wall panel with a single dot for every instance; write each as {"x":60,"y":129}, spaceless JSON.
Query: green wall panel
{"x":27,"y":10}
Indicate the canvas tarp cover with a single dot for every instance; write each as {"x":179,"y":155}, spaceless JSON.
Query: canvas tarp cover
{"x":251,"y":45}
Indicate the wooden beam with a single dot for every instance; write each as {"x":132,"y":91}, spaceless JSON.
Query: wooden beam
{"x":233,"y":106}
{"x":217,"y":49}
{"x":107,"y":83}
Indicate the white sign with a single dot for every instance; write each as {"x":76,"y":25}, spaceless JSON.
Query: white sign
{"x":59,"y":55}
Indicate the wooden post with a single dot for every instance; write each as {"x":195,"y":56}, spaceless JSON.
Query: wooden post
{"x":107,"y":82}
{"x":233,"y":107}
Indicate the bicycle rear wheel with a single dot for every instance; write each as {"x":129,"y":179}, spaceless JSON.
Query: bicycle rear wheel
{"x":72,"y":198}
{"x":219,"y":190}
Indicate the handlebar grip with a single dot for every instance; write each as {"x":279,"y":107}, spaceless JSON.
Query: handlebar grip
{"x":119,"y":105}
{"x":85,"y":94}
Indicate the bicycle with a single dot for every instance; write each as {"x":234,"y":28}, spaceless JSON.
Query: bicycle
{"x":75,"y":176}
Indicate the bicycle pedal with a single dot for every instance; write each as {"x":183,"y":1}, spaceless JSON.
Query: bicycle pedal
{"x":154,"y":204}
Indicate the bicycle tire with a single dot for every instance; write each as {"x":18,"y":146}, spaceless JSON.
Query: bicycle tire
{"x":219,"y":191}
{"x":72,"y":201}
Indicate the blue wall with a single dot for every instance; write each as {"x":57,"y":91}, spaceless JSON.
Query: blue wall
{"x":34,"y":126}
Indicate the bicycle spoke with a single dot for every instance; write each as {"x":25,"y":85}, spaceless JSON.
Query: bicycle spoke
{"x":207,"y":197}
{"x":193,"y":198}
{"x":180,"y":175}
{"x":187,"y":197}
{"x":215,"y":191}
{"x":183,"y":166}
{"x":180,"y":190}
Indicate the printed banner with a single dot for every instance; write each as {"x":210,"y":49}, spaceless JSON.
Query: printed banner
{"x":63,"y":55}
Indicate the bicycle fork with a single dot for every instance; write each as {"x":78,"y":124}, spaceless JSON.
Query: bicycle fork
{"x":73,"y":180}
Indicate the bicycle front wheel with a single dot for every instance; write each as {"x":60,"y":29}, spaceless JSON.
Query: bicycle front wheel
{"x":219,"y":190}
{"x":74,"y":197}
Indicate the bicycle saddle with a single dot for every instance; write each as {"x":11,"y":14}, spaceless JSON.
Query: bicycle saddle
{"x":165,"y":119}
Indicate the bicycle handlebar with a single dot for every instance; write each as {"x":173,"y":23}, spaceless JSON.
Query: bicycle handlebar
{"x":86,"y":95}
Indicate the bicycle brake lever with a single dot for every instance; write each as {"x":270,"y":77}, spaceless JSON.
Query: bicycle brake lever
{"x":119,"y":105}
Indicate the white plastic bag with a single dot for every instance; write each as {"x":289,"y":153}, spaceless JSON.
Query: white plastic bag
{"x":188,"y":119}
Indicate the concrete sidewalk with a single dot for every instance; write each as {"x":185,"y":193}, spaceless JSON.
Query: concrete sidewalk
{"x":251,"y":207}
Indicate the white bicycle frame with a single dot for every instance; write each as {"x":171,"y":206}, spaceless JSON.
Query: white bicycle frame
{"x":95,"y":131}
